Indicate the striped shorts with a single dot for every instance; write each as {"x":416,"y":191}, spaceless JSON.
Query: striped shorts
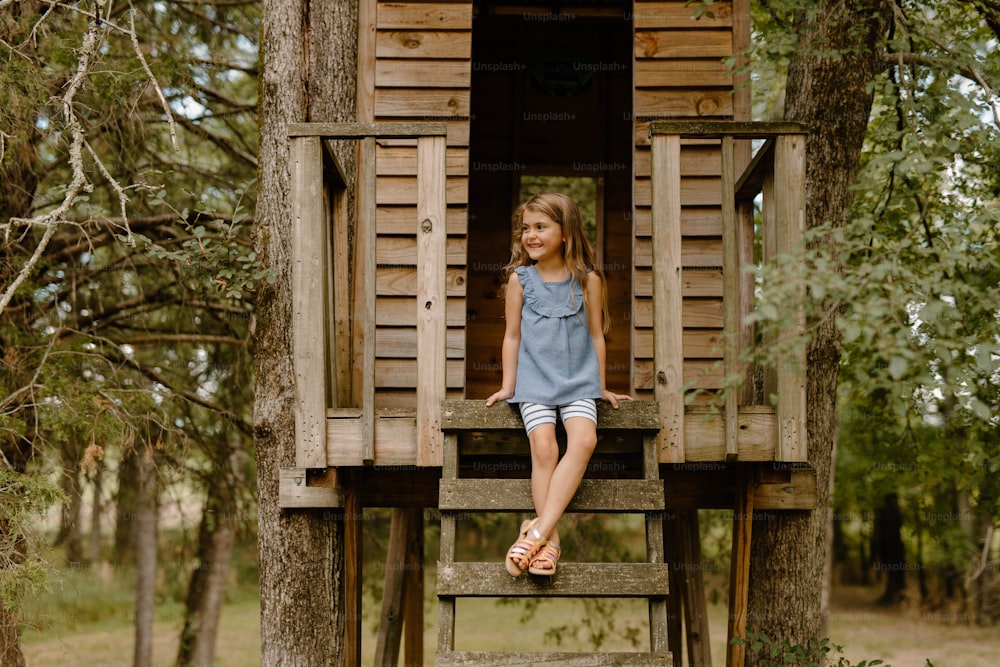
{"x":536,"y":414}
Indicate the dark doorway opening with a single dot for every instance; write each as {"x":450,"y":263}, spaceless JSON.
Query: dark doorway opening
{"x":551,"y":108}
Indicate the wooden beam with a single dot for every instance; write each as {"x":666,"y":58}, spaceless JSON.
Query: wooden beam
{"x":413,"y":600}
{"x":699,"y":646}
{"x":302,"y":488}
{"x":716,"y":129}
{"x":382,"y":130}
{"x":390,"y":628}
{"x":739,"y":575}
{"x":353,"y":527}
{"x":309,"y":296}
{"x":789,"y":204}
{"x":667,"y":295}
{"x":367,"y":30}
{"x":731,"y":276}
{"x":432,"y":239}
{"x":366,"y":242}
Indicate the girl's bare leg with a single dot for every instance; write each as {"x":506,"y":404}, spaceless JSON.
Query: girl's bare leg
{"x":564,"y":480}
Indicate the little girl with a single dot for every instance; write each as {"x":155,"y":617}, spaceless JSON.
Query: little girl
{"x":553,"y":362}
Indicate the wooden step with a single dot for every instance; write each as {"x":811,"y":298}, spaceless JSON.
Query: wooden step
{"x":496,"y":659}
{"x":514,"y":495}
{"x":610,"y":580}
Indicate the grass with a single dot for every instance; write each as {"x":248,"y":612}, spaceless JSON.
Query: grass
{"x":85,"y":622}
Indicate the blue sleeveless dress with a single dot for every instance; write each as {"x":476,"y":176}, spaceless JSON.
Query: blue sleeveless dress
{"x":556,"y":362}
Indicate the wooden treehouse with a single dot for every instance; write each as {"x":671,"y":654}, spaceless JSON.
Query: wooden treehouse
{"x":397,"y":325}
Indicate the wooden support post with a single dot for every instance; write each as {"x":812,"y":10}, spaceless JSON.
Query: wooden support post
{"x":353,"y":562}
{"x":739,"y":576}
{"x":309,"y":282}
{"x":658,"y":626}
{"x":668,"y":352}
{"x":365,"y":263}
{"x":693,"y":591}
{"x":446,"y":605}
{"x":675,"y":603}
{"x":390,"y":628}
{"x":789,"y":204}
{"x":731,"y":276}
{"x":432,"y":298}
{"x":413,"y":602}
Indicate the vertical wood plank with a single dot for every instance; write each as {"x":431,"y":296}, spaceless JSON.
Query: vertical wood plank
{"x":739,"y":575}
{"x":675,"y":609}
{"x":668,"y":351}
{"x":731,"y":275}
{"x":659,"y":631}
{"x":390,"y":629}
{"x":769,"y":244}
{"x":353,"y":564}
{"x":789,"y":196}
{"x":695,"y":608}
{"x":340,"y":270}
{"x":745,"y":229}
{"x":446,"y":605}
{"x":309,"y":296}
{"x":431,"y":297}
{"x":367,"y":22}
{"x":366,"y":239}
{"x":413,"y":611}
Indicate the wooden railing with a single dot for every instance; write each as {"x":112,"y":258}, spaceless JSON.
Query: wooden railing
{"x":334,"y":289}
{"x":778,"y":173}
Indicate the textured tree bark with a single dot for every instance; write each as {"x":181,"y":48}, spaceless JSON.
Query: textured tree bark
{"x":309,"y":69}
{"x":840,"y":45}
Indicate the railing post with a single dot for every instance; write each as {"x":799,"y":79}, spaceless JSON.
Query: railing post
{"x":365,"y":262}
{"x":309,"y":282}
{"x":731,"y":276}
{"x":432,"y":331}
{"x":789,"y":211}
{"x":668,"y":341}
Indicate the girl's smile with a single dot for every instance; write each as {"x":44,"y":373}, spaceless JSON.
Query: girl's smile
{"x":541,"y":236}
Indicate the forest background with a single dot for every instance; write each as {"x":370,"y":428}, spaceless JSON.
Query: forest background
{"x":128,"y":144}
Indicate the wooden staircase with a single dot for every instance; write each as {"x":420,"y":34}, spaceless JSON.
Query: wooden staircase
{"x":465,"y":422}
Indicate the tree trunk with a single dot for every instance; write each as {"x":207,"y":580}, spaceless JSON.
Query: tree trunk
{"x":126,"y":506}
{"x":309,"y":73}
{"x":828,"y":94}
{"x":216,"y":537}
{"x":888,"y":540}
{"x":70,"y":534}
{"x":146,"y":520}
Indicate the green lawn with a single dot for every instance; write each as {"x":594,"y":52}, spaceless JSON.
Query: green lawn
{"x":85,"y":621}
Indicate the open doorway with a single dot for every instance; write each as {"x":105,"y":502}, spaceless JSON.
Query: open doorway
{"x":551,"y":110}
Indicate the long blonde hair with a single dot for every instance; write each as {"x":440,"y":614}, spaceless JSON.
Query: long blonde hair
{"x":578,"y":254}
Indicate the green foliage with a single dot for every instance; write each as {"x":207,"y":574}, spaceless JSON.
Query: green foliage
{"x":23,"y":499}
{"x":815,"y":653}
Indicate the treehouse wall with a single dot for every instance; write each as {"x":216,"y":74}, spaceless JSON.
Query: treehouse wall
{"x":414,"y":65}
{"x":417,"y":64}
{"x":679,"y":74}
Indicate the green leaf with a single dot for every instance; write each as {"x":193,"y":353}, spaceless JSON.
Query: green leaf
{"x":898,"y":367}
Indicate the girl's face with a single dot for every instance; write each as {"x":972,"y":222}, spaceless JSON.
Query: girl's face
{"x":541,"y":236}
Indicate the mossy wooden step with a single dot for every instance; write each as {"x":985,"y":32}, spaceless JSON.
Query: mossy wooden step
{"x":612,"y":580}
{"x":497,"y":659}
{"x":514,"y":495}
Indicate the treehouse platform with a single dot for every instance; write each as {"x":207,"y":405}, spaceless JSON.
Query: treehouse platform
{"x":402,"y":226}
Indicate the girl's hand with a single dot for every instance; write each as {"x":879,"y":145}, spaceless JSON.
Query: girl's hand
{"x":613,"y":398}
{"x":501,"y":395}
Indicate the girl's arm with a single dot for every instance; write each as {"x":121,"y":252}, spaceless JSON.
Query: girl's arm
{"x":595,"y":298}
{"x":511,"y":340}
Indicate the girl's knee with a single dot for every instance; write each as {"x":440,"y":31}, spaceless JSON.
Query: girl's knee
{"x":545,"y":449}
